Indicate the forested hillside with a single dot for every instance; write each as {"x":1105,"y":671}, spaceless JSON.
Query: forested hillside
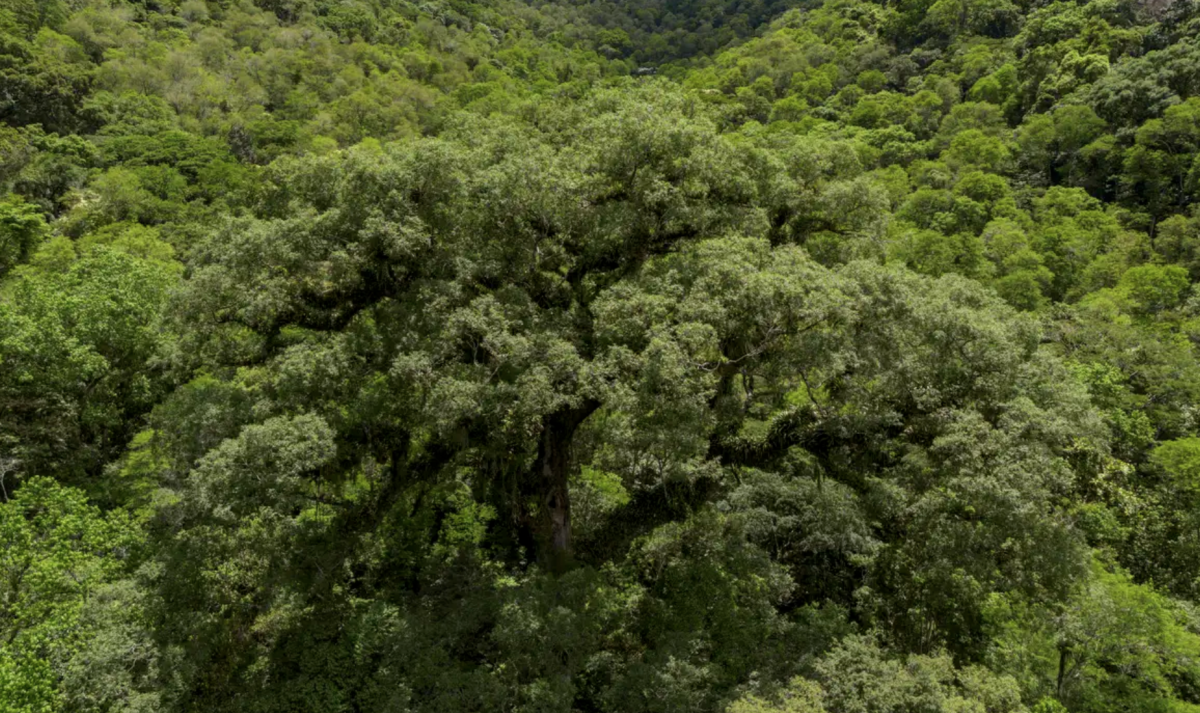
{"x":585,"y":356}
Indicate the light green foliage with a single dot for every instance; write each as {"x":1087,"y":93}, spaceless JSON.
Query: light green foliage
{"x":1181,"y":459}
{"x":1114,"y":643}
{"x":137,"y":240}
{"x":595,"y":495}
{"x":800,"y":696}
{"x":857,"y":676}
{"x":1153,"y":289}
{"x":57,"y":555}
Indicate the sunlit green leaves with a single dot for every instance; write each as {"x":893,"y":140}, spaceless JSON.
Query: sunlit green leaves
{"x":57,"y":552}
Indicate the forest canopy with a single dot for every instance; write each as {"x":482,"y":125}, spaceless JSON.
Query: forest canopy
{"x":582,"y":356}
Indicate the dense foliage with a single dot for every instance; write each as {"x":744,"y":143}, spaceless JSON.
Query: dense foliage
{"x":370,"y":355}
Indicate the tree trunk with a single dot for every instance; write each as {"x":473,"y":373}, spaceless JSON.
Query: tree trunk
{"x":552,"y":471}
{"x":1064,"y":655}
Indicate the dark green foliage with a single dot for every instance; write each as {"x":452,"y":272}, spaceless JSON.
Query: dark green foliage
{"x":22,"y":228}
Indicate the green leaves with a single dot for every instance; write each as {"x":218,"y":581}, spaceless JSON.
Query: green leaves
{"x":75,"y":347}
{"x":458,"y":372}
{"x":22,"y":228}
{"x":44,"y":78}
{"x":1113,"y":640}
{"x":857,"y":676}
{"x":56,"y":553}
{"x":267,"y":465}
{"x":1181,"y":460}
